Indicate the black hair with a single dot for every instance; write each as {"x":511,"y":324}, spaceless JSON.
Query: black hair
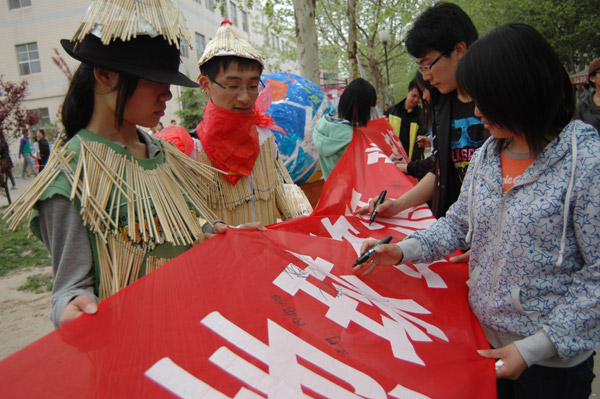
{"x":356,"y":102}
{"x":413,"y":85}
{"x":42,"y":131}
{"x":440,"y":28}
{"x":212,"y":67}
{"x":78,"y":105}
{"x":518,"y":83}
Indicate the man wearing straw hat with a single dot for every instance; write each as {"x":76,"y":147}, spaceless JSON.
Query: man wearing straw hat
{"x":236,"y":139}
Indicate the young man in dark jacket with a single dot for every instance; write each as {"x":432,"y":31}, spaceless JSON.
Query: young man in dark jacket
{"x":44,"y":148}
{"x":438,"y":40}
{"x":409,"y":112}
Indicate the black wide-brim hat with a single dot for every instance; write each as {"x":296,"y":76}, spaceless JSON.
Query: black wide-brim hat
{"x":151,"y":58}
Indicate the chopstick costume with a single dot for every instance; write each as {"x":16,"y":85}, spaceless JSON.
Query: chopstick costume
{"x":257,"y":184}
{"x":137,"y":213}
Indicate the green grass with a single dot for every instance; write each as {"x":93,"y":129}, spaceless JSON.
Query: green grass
{"x":37,"y":283}
{"x":18,"y":250}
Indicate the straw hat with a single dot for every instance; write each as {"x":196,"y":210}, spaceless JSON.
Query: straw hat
{"x":133,"y":37}
{"x":228,"y":41}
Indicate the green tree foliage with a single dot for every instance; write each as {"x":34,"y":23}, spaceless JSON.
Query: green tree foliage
{"x":277,"y":22}
{"x":192,"y":102}
{"x":372,"y":16}
{"x":572,"y":27}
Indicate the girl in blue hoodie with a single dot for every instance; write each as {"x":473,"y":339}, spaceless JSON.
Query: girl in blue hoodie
{"x":529,"y":209}
{"x":333,"y":135}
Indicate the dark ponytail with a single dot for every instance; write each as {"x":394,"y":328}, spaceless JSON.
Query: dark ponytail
{"x":78,"y":105}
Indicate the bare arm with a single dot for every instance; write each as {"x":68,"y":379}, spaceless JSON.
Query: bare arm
{"x":417,"y":195}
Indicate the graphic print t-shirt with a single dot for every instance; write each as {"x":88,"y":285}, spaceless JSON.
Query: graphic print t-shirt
{"x":467,"y":134}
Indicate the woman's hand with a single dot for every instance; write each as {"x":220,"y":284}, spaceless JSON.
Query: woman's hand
{"x":78,"y":306}
{"x":464,"y":258}
{"x":387,"y":208}
{"x":385,"y":254}
{"x":514,"y":364}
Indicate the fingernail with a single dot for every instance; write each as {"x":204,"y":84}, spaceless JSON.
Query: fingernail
{"x":90,"y":308}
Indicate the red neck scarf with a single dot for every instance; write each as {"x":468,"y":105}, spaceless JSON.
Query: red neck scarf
{"x":230,"y":140}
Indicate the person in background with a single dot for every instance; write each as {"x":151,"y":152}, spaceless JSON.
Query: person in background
{"x":386,"y":110}
{"x":528,"y":209}
{"x":173,"y":122}
{"x":588,"y":109}
{"x":25,"y":153}
{"x":419,"y":168}
{"x":44,"y":148}
{"x":409,"y":112}
{"x":6,"y":163}
{"x":333,"y":135}
{"x":35,"y":153}
{"x":438,"y":40}
{"x":235,"y":137}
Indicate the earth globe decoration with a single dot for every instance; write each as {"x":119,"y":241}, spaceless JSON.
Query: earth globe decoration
{"x":296,"y":106}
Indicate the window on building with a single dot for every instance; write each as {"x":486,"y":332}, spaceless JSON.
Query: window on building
{"x":184,"y":49}
{"x":198,"y":1}
{"x":210,"y":4}
{"x":14,"y":4}
{"x":28,"y":58}
{"x":44,"y":118}
{"x":234,"y":17}
{"x":200,"y":43}
{"x":244,"y":21}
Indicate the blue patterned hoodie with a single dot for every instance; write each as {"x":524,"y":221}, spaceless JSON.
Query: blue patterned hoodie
{"x":534,"y":273}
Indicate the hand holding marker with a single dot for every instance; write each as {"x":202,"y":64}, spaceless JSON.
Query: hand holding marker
{"x":379,"y":202}
{"x":370,"y":252}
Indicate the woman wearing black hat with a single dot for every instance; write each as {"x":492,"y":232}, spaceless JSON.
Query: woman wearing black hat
{"x":113,"y":203}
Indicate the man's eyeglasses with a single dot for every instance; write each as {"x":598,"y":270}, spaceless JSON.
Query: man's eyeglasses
{"x":427,"y":68}
{"x":236,"y":89}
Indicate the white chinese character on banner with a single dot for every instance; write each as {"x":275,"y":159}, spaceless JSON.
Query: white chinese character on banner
{"x":400,"y":328}
{"x":285,"y":376}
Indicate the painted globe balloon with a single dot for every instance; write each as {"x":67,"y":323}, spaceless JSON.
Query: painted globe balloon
{"x":297,"y":104}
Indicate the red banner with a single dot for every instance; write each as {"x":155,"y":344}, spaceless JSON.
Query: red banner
{"x":278,"y":314}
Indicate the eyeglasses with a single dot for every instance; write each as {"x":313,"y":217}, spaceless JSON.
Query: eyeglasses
{"x":427,"y":68}
{"x":236,"y":89}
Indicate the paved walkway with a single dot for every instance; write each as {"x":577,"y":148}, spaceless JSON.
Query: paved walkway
{"x":22,"y":184}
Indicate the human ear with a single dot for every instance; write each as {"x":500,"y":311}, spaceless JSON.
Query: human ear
{"x":107,"y":79}
{"x":204,"y":84}
{"x":461,"y":49}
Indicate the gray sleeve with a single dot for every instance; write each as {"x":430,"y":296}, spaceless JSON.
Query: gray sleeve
{"x":411,"y":250}
{"x":68,"y":242}
{"x":535,"y":348}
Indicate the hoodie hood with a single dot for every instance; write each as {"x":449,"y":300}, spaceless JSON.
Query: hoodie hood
{"x":331,"y":135}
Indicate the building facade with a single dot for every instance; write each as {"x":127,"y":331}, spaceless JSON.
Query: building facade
{"x":31,"y":31}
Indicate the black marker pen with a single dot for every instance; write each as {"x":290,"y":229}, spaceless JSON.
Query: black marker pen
{"x":379,"y":202}
{"x":371,"y":251}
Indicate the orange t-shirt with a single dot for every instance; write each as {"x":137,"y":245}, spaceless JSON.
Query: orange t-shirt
{"x":513,"y":167}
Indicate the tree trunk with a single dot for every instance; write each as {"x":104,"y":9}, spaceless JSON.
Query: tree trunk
{"x":352,"y":47}
{"x":375,"y":71}
{"x":306,"y":39}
